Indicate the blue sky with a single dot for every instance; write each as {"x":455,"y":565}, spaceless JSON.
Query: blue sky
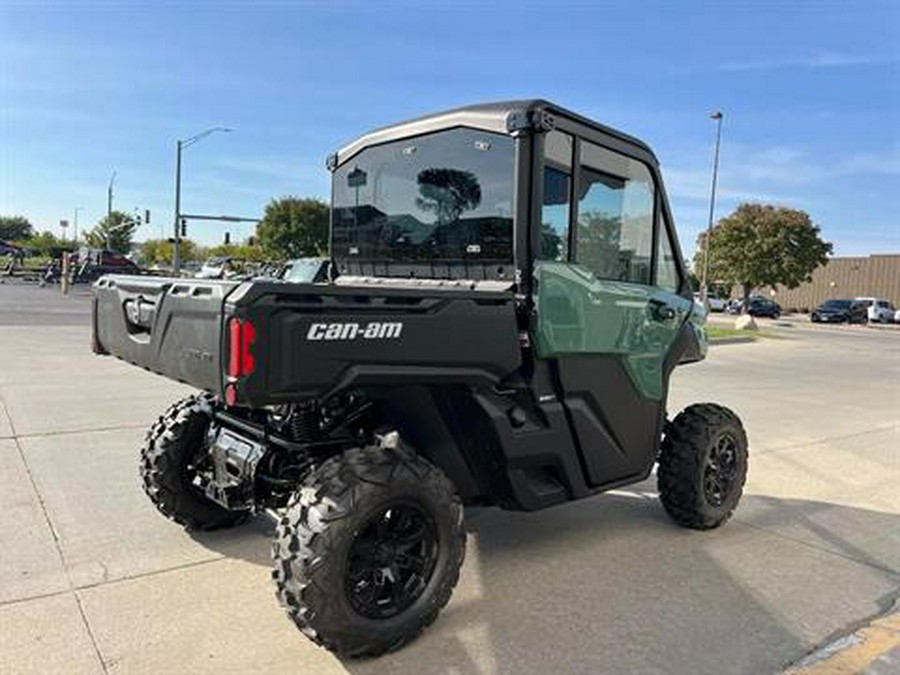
{"x":810,"y":92}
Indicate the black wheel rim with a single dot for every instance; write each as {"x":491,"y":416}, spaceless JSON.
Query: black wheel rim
{"x":391,"y":560}
{"x":721,"y":470}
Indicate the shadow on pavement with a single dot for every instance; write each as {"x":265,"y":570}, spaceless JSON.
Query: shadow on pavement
{"x":611,"y":585}
{"x":251,"y":542}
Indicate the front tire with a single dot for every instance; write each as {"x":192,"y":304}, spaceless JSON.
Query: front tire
{"x":172,"y":446}
{"x":369,"y":550}
{"x":702,"y":466}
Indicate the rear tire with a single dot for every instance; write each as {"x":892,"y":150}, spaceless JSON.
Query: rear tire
{"x":702,"y":466}
{"x":342,"y":554}
{"x":171,"y":446}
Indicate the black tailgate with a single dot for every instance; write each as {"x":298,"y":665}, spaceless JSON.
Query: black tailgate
{"x":169,"y":326}
{"x":311,"y":339}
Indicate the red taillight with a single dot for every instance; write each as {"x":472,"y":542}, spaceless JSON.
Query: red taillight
{"x":241,"y":336}
{"x":234,"y":347}
{"x":248,"y":337}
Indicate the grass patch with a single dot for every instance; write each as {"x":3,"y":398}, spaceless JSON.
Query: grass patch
{"x":715,"y":333}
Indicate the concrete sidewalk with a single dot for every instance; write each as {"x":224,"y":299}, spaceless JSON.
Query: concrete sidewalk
{"x":94,"y":580}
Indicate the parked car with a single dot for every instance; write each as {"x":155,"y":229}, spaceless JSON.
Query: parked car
{"x":89,"y":264}
{"x":216,"y":268}
{"x":897,"y":316}
{"x":10,"y":249}
{"x":713,"y":303}
{"x":880,"y":310}
{"x":760,"y":306}
{"x":840,"y":311}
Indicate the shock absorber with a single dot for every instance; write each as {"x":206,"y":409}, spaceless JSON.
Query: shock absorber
{"x":304,"y":421}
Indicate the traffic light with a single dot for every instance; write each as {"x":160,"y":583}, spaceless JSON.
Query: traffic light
{"x":183,"y":227}
{"x":227,"y":238}
{"x":146,"y":216}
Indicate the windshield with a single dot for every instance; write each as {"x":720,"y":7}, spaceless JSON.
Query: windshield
{"x":445,"y":196}
{"x":836,"y":304}
{"x":303,"y":270}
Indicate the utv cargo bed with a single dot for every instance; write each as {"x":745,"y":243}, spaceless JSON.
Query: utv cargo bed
{"x":272,"y":342}
{"x":172,"y":327}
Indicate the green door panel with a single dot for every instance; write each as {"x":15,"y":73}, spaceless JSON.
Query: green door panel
{"x":579,"y":314}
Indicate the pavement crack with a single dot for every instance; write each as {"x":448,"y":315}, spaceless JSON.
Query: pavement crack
{"x":823,"y":549}
{"x":70,"y":432}
{"x":90,"y":632}
{"x":106,"y":581}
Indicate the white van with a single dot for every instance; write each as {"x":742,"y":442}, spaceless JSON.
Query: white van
{"x":880,"y":310}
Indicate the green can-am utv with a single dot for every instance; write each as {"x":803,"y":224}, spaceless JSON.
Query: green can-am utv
{"x":506,"y":302}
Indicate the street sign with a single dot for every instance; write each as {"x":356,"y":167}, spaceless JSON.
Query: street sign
{"x":63,"y":223}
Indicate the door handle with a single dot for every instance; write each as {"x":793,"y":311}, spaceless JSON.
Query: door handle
{"x":664,"y":312}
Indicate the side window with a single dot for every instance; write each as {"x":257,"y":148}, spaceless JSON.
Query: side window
{"x":557,"y":196}
{"x":615,"y":215}
{"x":667,"y":276}
{"x":555,"y":215}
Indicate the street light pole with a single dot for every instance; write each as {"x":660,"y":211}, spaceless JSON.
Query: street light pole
{"x":75,"y":221}
{"x":704,"y":290}
{"x":180,"y":145}
{"x":109,"y":201}
{"x":176,"y":248}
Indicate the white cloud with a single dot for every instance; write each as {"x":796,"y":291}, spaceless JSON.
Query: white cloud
{"x":825,"y":59}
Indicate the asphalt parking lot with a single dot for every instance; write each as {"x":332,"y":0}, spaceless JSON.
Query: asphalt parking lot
{"x":93,"y":580}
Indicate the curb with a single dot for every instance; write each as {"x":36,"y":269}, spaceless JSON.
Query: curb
{"x":874,"y":648}
{"x":737,"y":340}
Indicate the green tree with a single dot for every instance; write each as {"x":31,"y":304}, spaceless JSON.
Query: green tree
{"x":599,"y":242}
{"x":15,"y":228}
{"x":159,"y":251}
{"x":448,"y":192}
{"x":48,"y":244}
{"x":762,"y":245}
{"x":294,"y":227}
{"x":695,"y":281}
{"x":246,"y":251}
{"x":117,"y":229}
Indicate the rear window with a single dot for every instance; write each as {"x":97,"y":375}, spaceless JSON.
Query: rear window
{"x":445,"y":196}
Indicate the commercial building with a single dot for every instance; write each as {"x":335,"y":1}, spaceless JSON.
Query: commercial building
{"x":870,"y":276}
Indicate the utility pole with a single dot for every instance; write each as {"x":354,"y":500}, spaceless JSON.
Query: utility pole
{"x":75,"y":222}
{"x":109,"y":201}
{"x":704,"y":288}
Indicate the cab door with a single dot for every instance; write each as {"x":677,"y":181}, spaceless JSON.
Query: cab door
{"x":607,"y":304}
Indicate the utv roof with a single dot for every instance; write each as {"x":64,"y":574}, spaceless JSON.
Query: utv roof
{"x":505,"y":117}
